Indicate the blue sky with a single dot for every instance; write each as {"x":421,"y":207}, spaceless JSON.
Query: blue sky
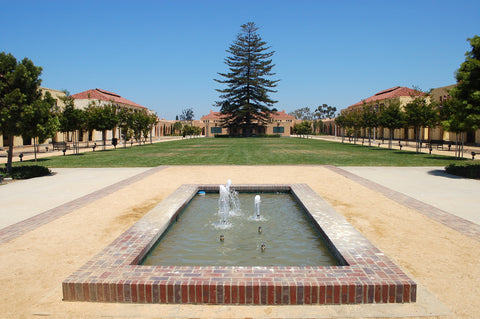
{"x":165,"y":54}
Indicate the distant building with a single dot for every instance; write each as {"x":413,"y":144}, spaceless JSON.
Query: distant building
{"x":103,"y":97}
{"x":405,"y":95}
{"x":280,"y":123}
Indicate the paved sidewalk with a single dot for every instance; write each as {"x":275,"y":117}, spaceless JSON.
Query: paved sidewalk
{"x":455,"y":195}
{"x":26,"y":198}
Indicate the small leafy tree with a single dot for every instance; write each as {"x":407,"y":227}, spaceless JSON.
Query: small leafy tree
{"x":341,"y":121}
{"x":152,"y":121}
{"x":190,"y":130}
{"x":392,"y":117}
{"x":125,"y":124}
{"x":71,"y":118}
{"x":353,"y":119}
{"x":420,"y":112}
{"x":304,"y":114}
{"x":187,"y":115}
{"x":453,"y":119}
{"x":101,"y":118}
{"x":325,"y":111}
{"x":369,"y":120}
{"x":303,"y":128}
{"x":177,"y":127}
{"x":40,"y":120}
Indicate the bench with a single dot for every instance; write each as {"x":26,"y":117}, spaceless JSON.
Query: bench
{"x":438,"y":143}
{"x":60,"y":146}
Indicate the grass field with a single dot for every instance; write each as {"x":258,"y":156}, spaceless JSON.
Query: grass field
{"x":246,"y":151}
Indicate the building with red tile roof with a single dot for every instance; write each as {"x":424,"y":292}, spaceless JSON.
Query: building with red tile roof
{"x":280,"y":123}
{"x":104,"y":97}
{"x":83,"y":98}
{"x":404,"y":94}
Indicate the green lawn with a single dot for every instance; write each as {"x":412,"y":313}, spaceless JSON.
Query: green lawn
{"x":246,"y":151}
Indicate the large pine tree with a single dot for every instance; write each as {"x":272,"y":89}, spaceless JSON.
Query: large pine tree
{"x":245,"y":103}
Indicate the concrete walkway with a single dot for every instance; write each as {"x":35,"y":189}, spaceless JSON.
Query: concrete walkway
{"x":26,"y":198}
{"x":455,"y":195}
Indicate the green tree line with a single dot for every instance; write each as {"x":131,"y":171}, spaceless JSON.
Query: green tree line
{"x":25,"y":111}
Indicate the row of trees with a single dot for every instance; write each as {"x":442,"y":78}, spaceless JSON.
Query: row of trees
{"x":459,"y":114}
{"x":418,"y":113}
{"x":312,"y":120}
{"x":26,"y":112}
{"x":321,"y":112}
{"x":133,"y":123}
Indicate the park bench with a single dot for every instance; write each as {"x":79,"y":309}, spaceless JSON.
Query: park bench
{"x":60,"y":146}
{"x":437,"y":143}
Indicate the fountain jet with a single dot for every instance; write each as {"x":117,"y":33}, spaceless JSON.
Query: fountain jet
{"x":257,"y":206}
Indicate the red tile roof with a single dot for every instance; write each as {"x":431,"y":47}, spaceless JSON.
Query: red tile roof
{"x":211,"y":116}
{"x":99,"y":94}
{"x":275,"y":116}
{"x":390,"y":94}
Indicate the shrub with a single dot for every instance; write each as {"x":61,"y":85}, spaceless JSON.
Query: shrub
{"x":464,"y":170}
{"x":25,"y":172}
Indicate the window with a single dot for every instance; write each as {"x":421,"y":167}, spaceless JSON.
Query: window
{"x":278,"y":129}
{"x":216,"y":130}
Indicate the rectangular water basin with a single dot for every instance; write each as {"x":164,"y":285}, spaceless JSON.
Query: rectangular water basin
{"x":205,"y":235}
{"x":365,"y":274}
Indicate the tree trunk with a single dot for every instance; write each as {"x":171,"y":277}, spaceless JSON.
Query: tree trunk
{"x":104,"y":138}
{"x":10,"y":154}
{"x":35,"y":148}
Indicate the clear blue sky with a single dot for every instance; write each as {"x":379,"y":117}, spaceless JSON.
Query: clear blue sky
{"x":165,"y":54}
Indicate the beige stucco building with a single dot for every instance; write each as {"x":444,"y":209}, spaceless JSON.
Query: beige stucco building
{"x":280,"y":123}
{"x":103,"y":97}
{"x":82,"y":100}
{"x":405,"y":95}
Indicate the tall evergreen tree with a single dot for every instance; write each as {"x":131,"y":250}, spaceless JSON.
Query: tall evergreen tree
{"x":245,"y":103}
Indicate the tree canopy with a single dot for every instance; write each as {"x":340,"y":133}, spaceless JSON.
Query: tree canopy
{"x":245,"y":103}
{"x":187,"y":115}
{"x":463,"y":113}
{"x":23,"y":110}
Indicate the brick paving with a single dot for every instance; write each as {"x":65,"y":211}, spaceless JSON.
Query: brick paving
{"x":13,"y":231}
{"x":365,"y":274}
{"x":459,"y":224}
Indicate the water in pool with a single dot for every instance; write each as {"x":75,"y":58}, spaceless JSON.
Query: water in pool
{"x":266,"y":230}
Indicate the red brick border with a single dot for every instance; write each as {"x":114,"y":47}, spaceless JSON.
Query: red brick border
{"x":366,"y":274}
